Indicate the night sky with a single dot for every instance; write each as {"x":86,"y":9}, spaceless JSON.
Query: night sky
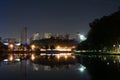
{"x":56,"y":16}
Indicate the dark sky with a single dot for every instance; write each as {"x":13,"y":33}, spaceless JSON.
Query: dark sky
{"x":57,"y":16}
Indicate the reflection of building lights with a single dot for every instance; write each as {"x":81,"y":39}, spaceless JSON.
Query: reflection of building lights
{"x":32,"y":57}
{"x":58,"y":57}
{"x":11,"y":58}
{"x":73,"y":46}
{"x":66,"y":56}
{"x":114,"y":61}
{"x":35,"y":67}
{"x":47,"y":68}
{"x":58,"y":47}
{"x":82,"y":68}
{"x":73,"y":57}
{"x":108,"y":63}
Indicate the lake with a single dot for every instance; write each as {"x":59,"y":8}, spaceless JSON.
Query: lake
{"x":64,"y":66}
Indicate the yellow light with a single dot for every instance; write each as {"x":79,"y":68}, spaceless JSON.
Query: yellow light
{"x":32,"y":57}
{"x":11,"y":46}
{"x":32,"y":47}
{"x":66,"y":56}
{"x":11,"y":58}
{"x":73,"y":57}
{"x":58,"y":56}
{"x":58,"y":47}
{"x":73,"y":46}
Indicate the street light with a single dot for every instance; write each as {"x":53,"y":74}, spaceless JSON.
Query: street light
{"x":32,"y":57}
{"x":11,"y":46}
{"x":33,"y":47}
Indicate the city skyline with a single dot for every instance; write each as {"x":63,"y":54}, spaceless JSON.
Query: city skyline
{"x":59,"y":16}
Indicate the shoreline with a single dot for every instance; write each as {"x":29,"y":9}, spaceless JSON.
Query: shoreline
{"x":97,"y":53}
{"x":47,"y":52}
{"x":58,"y":52}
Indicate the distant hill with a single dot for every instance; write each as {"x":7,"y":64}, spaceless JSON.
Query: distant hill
{"x":104,"y":33}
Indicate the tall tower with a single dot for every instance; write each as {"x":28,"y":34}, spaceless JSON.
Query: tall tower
{"x":24,"y":33}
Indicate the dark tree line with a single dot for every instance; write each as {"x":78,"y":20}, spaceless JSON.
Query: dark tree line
{"x":104,"y":33}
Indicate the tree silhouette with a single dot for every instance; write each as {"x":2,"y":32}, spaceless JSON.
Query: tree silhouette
{"x":104,"y":32}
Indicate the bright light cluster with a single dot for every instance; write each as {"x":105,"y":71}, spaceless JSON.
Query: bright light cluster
{"x":59,"y":48}
{"x":82,"y":68}
{"x":82,"y":37}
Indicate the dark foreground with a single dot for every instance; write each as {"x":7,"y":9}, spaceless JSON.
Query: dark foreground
{"x":59,"y":67}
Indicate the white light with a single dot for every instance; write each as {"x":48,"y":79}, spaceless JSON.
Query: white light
{"x":5,"y":60}
{"x":33,"y":57}
{"x":5,"y":43}
{"x":108,"y":63}
{"x":82,"y":37}
{"x":18,"y":44}
{"x":17,"y":59}
{"x":82,"y":68}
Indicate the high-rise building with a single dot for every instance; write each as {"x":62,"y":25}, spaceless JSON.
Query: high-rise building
{"x":24,"y":33}
{"x":47,"y":35}
{"x":36,"y":36}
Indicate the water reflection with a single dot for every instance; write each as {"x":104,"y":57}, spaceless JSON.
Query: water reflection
{"x":56,"y":61}
{"x":101,"y":67}
{"x":65,"y":66}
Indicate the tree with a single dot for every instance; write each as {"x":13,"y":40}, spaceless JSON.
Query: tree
{"x":104,"y":32}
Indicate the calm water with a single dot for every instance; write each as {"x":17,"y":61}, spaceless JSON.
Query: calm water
{"x":59,"y":67}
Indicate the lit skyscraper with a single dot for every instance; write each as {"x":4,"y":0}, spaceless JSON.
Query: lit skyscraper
{"x":24,"y":33}
{"x":47,"y":35}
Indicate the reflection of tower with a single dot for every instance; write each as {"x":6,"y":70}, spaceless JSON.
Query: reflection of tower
{"x":24,"y":35}
{"x":23,"y":69}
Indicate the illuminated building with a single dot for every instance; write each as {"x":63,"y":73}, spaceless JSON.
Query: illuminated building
{"x":59,"y":36}
{"x":24,"y":35}
{"x":36,"y":36}
{"x":47,"y":35}
{"x":6,"y":41}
